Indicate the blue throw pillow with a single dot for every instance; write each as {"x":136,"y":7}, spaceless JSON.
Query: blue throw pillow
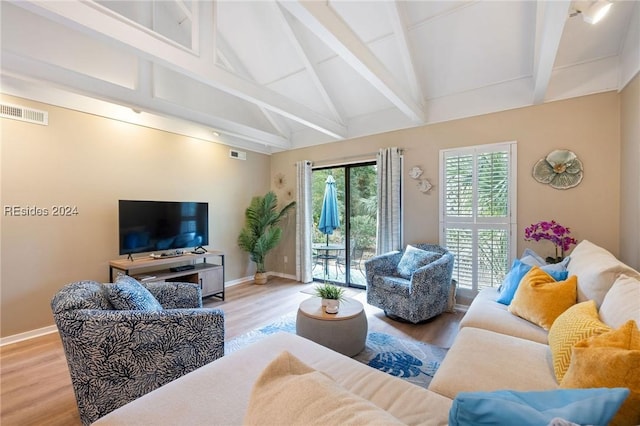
{"x":128,"y":294}
{"x":582,"y":406}
{"x":414,"y":258}
{"x":532,"y":258}
{"x":519,"y":270}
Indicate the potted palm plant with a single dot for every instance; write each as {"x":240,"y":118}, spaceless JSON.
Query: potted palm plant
{"x":261,"y":232}
{"x":331,"y":296}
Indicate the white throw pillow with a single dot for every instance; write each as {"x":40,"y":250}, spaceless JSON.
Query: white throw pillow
{"x":622,"y":302}
{"x":597,"y":270}
{"x":289,"y":392}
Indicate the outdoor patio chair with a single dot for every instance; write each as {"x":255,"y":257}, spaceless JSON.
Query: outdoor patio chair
{"x":355,"y":258}
{"x":411,"y":285}
{"x":118,"y":355}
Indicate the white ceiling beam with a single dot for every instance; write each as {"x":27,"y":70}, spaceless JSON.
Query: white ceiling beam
{"x":551,"y":17}
{"x":21,"y":66}
{"x":271,"y":100}
{"x":399,"y":24}
{"x":285,"y":21}
{"x":228,"y":57}
{"x":92,"y":19}
{"x":339,"y":37}
{"x":185,"y":9}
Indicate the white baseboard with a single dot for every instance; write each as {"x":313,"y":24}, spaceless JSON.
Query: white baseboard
{"x":281,"y":275}
{"x":461,"y":308}
{"x":250,"y":278}
{"x":238,"y":281}
{"x":28,"y":335}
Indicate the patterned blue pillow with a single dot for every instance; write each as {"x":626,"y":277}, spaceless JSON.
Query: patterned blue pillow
{"x":128,"y":294}
{"x":414,"y":258}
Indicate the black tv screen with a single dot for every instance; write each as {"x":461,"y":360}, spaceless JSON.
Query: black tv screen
{"x":147,"y":226}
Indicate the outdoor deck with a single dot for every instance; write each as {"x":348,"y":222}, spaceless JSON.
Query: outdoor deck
{"x":336,"y":272}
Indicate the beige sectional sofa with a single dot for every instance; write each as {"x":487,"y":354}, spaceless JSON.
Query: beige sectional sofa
{"x":219,"y":393}
{"x":493,"y":350}
{"x":496,"y":349}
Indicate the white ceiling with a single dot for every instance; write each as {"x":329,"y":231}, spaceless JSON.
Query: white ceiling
{"x":276,"y":75}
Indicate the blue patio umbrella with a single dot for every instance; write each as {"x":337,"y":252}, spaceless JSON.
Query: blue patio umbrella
{"x":329,"y":218}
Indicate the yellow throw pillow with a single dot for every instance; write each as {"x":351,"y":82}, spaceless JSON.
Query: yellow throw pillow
{"x":609,"y":360}
{"x":573,"y":325}
{"x":289,"y":392}
{"x":541,"y":299}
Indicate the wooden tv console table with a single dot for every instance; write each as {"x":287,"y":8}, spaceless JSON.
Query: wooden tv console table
{"x":210,"y":276}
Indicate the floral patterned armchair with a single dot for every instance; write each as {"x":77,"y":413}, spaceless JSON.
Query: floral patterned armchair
{"x":116,"y":356}
{"x":411,"y":285}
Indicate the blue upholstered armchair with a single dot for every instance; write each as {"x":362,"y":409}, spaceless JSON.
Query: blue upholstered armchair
{"x":412,"y":285}
{"x":117,"y":354}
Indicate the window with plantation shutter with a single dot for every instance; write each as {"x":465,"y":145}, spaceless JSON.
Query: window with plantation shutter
{"x":477,"y":213}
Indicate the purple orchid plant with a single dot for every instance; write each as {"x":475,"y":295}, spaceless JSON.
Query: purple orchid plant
{"x":552,"y":231}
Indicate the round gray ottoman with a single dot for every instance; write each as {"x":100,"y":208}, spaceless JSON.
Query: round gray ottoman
{"x":344,"y":332}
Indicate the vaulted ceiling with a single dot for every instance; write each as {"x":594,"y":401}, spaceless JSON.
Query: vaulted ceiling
{"x":276,"y":75}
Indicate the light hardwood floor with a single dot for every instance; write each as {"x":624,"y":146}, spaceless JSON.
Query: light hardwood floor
{"x":35,"y":388}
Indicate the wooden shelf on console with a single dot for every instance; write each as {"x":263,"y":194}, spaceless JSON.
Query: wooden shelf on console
{"x":210,"y":276}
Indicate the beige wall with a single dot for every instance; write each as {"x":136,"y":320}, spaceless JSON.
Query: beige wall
{"x":630,"y":173}
{"x":589,"y":126}
{"x":91,"y":162}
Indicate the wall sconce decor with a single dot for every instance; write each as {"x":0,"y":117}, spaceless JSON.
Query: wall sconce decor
{"x":415,"y":172}
{"x":289,"y":194}
{"x":279,"y":180}
{"x":423,"y":184}
{"x":561,"y":169}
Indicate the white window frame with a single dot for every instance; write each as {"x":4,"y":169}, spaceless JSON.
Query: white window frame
{"x":474,"y":223}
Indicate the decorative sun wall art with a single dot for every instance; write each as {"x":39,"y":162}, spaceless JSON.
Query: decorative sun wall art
{"x":561,"y":169}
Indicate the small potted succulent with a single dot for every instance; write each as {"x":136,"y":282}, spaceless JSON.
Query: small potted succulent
{"x":331,"y":296}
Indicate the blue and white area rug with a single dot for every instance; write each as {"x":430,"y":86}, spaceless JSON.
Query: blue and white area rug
{"x":411,"y":360}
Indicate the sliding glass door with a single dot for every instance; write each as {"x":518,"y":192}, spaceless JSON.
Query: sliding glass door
{"x":341,"y":247}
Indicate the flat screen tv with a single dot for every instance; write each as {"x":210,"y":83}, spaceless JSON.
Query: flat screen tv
{"x":148,"y":226}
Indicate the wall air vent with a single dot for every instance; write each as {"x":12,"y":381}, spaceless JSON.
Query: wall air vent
{"x":238,"y":155}
{"x":30,"y":115}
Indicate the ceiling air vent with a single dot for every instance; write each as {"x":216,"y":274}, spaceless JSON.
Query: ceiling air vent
{"x":238,"y":155}
{"x":30,"y":115}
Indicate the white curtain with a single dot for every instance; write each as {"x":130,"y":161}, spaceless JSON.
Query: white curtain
{"x":389,"y":230}
{"x":303,"y":222}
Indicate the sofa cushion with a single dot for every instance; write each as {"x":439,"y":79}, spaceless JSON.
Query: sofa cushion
{"x":482,"y":360}
{"x":573,"y":325}
{"x":541,"y":299}
{"x":484,"y":312}
{"x":288,"y":392}
{"x":507,"y":407}
{"x":128,"y":294}
{"x":414,"y":258}
{"x":622,"y":302}
{"x":609,"y":360}
{"x":597,"y":270}
{"x":517,"y":272}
